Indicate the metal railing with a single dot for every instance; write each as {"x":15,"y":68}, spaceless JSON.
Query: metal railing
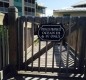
{"x":5,"y":0}
{"x":29,"y":4}
{"x":3,"y":9}
{"x":6,"y":9}
{"x":40,"y":11}
{"x":29,"y":13}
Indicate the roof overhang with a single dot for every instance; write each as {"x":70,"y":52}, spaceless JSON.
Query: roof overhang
{"x":80,"y":3}
{"x":71,"y":10}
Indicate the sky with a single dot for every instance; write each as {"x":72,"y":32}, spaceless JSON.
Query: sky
{"x":56,"y":4}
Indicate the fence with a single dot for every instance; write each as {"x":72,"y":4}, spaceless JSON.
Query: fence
{"x":4,"y":50}
{"x":48,"y":56}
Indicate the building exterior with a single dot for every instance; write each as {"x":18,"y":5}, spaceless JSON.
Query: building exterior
{"x":40,"y":9}
{"x":70,"y":12}
{"x":29,"y":7}
{"x":4,"y":4}
{"x":78,"y":9}
{"x":25,"y":7}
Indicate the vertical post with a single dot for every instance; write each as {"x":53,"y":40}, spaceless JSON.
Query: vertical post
{"x":82,"y":23}
{"x":20,"y":41}
{"x":12,"y":32}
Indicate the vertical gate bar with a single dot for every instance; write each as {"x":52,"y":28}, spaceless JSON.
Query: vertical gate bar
{"x":0,"y":54}
{"x":60,"y":57}
{"x":18,"y":44}
{"x":85,"y":70}
{"x":75,"y":58}
{"x":85,"y":65}
{"x":32,"y":43}
{"x":19,"y":62}
{"x":53,"y":57}
{"x":25,"y":44}
{"x":39,"y":55}
{"x":68,"y":48}
{"x":46,"y":52}
{"x":6,"y":44}
{"x":85,"y":58}
{"x":85,"y":52}
{"x":3,"y":47}
{"x":67,"y":58}
{"x":46,"y":57}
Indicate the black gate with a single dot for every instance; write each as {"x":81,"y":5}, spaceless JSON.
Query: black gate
{"x":65,"y":59}
{"x":48,"y":59}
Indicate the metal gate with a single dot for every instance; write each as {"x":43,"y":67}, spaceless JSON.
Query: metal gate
{"x":48,"y":59}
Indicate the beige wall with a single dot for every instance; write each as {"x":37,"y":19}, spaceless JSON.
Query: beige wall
{"x":1,"y":18}
{"x":38,"y":14}
{"x":74,"y":14}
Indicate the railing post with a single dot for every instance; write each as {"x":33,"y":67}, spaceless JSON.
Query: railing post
{"x":12,"y":33}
